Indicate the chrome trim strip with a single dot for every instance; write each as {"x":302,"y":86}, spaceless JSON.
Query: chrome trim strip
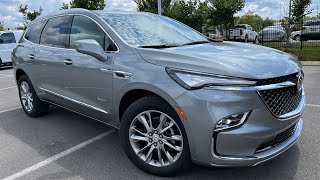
{"x":125,"y":74}
{"x":81,"y":114}
{"x":252,"y":88}
{"x":73,"y":100}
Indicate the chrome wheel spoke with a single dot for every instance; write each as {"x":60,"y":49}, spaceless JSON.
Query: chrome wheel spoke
{"x":150,"y":119}
{"x":149,"y":154}
{"x":143,"y":120}
{"x":168,"y":155}
{"x":177,"y":148}
{"x":162,"y":122}
{"x":139,"y":132}
{"x":139,"y":138}
{"x":144,"y":148}
{"x":159,"y":157}
{"x":166,"y":128}
{"x":174,"y":138}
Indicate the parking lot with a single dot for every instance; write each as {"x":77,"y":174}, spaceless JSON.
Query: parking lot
{"x":64,"y":145}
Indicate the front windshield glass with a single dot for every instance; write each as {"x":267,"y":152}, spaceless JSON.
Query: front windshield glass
{"x":151,"y":30}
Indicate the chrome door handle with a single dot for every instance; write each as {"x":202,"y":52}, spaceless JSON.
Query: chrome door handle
{"x":31,"y":56}
{"x":67,"y":61}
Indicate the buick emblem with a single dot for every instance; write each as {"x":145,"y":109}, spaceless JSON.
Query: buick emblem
{"x":299,"y":81}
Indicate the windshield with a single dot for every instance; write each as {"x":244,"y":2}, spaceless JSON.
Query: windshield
{"x":151,"y":30}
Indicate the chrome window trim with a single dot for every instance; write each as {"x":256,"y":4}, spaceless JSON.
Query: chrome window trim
{"x":74,"y":14}
{"x":252,"y":88}
{"x":73,"y":100}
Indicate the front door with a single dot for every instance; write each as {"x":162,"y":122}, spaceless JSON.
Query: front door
{"x":88,"y":81}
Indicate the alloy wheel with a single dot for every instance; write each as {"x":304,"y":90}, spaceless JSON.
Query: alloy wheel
{"x":26,"y":96}
{"x":156,"y":138}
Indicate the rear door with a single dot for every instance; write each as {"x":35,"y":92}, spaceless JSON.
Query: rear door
{"x":7,"y":43}
{"x":48,"y":60}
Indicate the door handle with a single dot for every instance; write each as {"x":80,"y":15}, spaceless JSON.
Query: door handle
{"x":67,"y":61}
{"x":31,"y":56}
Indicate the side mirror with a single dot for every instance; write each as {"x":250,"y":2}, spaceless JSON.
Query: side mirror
{"x":91,"y":47}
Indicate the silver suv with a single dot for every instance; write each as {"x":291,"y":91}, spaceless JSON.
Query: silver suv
{"x":176,"y":96}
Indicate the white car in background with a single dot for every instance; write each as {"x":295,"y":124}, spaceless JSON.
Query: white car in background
{"x":243,"y":32}
{"x":8,"y":41}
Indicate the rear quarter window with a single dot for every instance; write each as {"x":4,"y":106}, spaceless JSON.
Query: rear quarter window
{"x":55,"y":32}
{"x":33,"y":33}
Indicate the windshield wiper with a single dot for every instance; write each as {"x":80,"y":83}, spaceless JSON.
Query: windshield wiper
{"x":158,"y":46}
{"x":196,"y":42}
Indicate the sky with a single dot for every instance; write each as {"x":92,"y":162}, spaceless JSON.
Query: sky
{"x":9,"y":14}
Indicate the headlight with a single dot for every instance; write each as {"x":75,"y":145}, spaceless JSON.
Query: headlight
{"x":192,"y":80}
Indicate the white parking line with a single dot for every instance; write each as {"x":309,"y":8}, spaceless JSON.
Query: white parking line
{"x":8,"y":88}
{"x":5,"y":75}
{"x":57,"y":156}
{"x":313,"y":105}
{"x":9,"y":110}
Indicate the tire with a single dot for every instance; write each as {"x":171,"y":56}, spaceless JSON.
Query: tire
{"x":164,"y":167}
{"x":256,"y":41}
{"x":246,"y":39}
{"x":28,"y":97}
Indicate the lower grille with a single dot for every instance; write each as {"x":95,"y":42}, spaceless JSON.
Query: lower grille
{"x":280,"y":138}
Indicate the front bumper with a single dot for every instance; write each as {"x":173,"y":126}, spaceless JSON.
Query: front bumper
{"x":257,"y":158}
{"x":238,"y":146}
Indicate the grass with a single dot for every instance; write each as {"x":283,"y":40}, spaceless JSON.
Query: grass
{"x":310,"y":50}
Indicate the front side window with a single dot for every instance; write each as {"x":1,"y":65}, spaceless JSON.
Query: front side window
{"x":7,"y":38}
{"x":149,"y":30}
{"x":33,"y":33}
{"x":85,"y":28}
{"x":55,"y":32}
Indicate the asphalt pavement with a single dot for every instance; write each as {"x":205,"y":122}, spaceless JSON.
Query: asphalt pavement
{"x":65,"y":145}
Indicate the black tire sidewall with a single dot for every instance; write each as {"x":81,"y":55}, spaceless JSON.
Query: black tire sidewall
{"x":153,"y":103}
{"x":39,"y":108}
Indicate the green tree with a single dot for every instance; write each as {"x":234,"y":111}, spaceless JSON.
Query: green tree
{"x":299,"y":9}
{"x":86,"y":4}
{"x":256,"y":21}
{"x":191,"y":12}
{"x":2,"y":27}
{"x":29,"y":15}
{"x":221,"y":12}
{"x":65,"y":6}
{"x":152,"y":5}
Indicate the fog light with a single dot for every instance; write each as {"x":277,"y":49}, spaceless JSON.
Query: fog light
{"x":231,"y":121}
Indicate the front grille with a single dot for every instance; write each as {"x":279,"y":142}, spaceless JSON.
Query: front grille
{"x":283,"y":100}
{"x":280,"y":138}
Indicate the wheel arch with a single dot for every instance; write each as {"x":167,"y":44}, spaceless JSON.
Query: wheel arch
{"x":19,"y":73}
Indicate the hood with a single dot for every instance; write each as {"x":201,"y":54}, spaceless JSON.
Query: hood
{"x":225,"y":58}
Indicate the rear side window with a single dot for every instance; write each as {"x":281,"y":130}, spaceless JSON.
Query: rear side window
{"x":55,"y":32}
{"x":85,"y":28}
{"x":6,"y":38}
{"x":33,"y":33}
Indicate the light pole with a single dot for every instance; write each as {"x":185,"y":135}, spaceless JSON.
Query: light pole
{"x":159,"y":7}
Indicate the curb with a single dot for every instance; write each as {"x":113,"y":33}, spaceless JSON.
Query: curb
{"x":310,"y":63}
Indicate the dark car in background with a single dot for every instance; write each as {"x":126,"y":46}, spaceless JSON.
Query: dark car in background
{"x":310,"y":30}
{"x":272,"y":34}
